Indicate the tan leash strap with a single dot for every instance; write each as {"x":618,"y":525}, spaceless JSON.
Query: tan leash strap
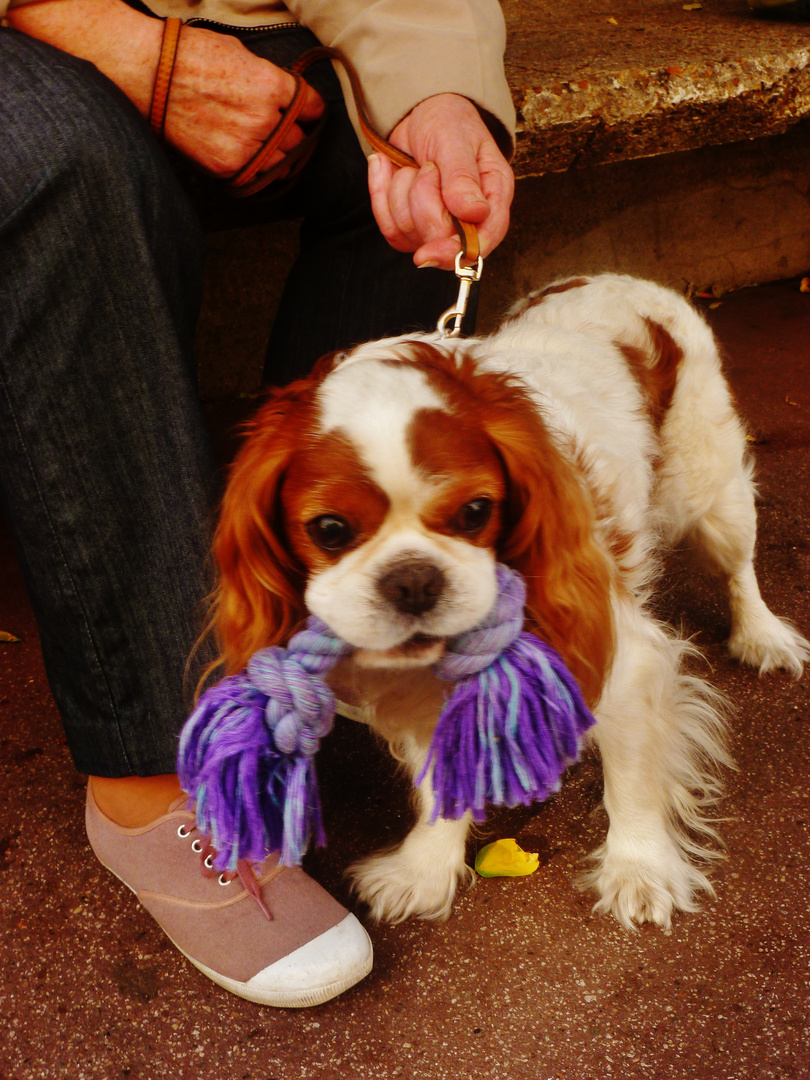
{"x":163,"y":75}
{"x":468,"y":235}
{"x":377,"y":143}
{"x":253,"y":178}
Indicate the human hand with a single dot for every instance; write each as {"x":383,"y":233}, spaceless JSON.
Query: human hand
{"x":461,"y":172}
{"x":225,"y":101}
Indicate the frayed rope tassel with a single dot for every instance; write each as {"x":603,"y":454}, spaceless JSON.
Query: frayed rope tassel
{"x":510,"y":728}
{"x":246,"y":754}
{"x":514,"y":721}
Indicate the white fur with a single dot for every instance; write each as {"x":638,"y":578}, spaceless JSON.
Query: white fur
{"x":377,"y":421}
{"x":659,"y":729}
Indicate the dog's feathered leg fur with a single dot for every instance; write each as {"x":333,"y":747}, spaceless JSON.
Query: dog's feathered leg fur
{"x":660,"y":735}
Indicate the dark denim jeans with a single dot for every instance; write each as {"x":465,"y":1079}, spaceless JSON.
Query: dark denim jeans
{"x":106,"y":471}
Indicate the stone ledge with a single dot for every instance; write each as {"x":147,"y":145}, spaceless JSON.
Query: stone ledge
{"x":598,"y":82}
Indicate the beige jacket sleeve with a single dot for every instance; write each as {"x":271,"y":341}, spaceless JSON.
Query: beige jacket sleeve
{"x":408,"y":50}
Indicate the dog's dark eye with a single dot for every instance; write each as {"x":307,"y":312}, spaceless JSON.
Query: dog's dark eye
{"x":329,"y":532}
{"x":473,"y":516}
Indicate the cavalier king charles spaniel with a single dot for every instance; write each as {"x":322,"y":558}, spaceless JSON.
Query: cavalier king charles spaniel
{"x":591,"y":432}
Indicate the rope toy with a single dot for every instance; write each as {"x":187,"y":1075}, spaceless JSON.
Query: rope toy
{"x":512,"y":724}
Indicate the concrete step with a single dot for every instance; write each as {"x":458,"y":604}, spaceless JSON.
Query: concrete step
{"x":657,"y":137}
{"x":599,"y":81}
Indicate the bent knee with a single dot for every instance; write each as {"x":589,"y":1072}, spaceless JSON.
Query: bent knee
{"x":62,"y":121}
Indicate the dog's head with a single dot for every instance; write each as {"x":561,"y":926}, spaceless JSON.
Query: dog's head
{"x":379,"y":494}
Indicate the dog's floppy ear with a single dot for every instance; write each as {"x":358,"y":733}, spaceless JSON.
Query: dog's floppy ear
{"x":259,"y":597}
{"x":549,"y":538}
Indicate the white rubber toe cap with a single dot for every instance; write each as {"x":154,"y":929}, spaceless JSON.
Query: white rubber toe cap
{"x":312,"y":974}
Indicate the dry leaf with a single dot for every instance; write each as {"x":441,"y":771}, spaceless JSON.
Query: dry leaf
{"x":8,"y":639}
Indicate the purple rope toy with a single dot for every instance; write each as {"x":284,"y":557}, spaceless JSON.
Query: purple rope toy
{"x":511,"y":726}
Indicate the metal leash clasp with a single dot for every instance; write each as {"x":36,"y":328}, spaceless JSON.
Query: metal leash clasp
{"x":467,"y":275}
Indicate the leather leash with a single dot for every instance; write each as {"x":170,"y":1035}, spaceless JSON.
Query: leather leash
{"x":253,"y":176}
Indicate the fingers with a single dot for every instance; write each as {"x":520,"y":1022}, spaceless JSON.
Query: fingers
{"x":281,"y":90}
{"x":408,"y":204}
{"x":413,"y":209}
{"x":313,"y":106}
{"x":461,"y":181}
{"x":462,"y":174}
{"x":477,"y":183}
{"x":380,"y":174}
{"x":498,"y":186}
{"x":410,"y":212}
{"x":310,"y":108}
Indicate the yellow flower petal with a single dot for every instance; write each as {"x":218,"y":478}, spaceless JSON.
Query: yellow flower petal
{"x":505,"y":858}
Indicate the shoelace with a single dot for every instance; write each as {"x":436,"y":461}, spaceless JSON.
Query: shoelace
{"x":202,"y":846}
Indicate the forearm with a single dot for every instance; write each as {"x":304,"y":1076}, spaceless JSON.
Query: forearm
{"x":122,"y":43}
{"x":224,"y":100}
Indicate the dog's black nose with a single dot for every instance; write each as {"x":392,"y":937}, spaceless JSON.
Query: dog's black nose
{"x":413,"y":587}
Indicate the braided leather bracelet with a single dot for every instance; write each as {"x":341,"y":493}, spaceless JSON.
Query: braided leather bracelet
{"x":163,"y":76}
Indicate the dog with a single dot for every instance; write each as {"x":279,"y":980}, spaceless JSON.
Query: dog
{"x":590,"y":433}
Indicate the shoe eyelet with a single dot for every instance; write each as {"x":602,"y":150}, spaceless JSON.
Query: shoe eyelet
{"x":181,"y":832}
{"x":224,"y":880}
{"x":208,"y":862}
{"x":197,"y":846}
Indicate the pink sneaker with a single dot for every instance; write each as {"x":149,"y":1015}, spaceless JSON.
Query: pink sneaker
{"x":267,"y":933}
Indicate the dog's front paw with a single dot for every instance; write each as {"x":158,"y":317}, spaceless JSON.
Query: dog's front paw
{"x":647,"y":884}
{"x":765,"y":641}
{"x":409,"y":881}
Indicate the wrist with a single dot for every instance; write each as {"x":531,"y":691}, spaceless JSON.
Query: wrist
{"x":123,"y":43}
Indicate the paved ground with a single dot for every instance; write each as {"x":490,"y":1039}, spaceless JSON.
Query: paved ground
{"x":524,"y":982}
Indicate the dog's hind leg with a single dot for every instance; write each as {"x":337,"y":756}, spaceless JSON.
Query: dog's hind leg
{"x":727,"y":534}
{"x":705,"y":493}
{"x":661,"y":740}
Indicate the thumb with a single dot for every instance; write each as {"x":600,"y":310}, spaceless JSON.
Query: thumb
{"x":460,"y":182}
